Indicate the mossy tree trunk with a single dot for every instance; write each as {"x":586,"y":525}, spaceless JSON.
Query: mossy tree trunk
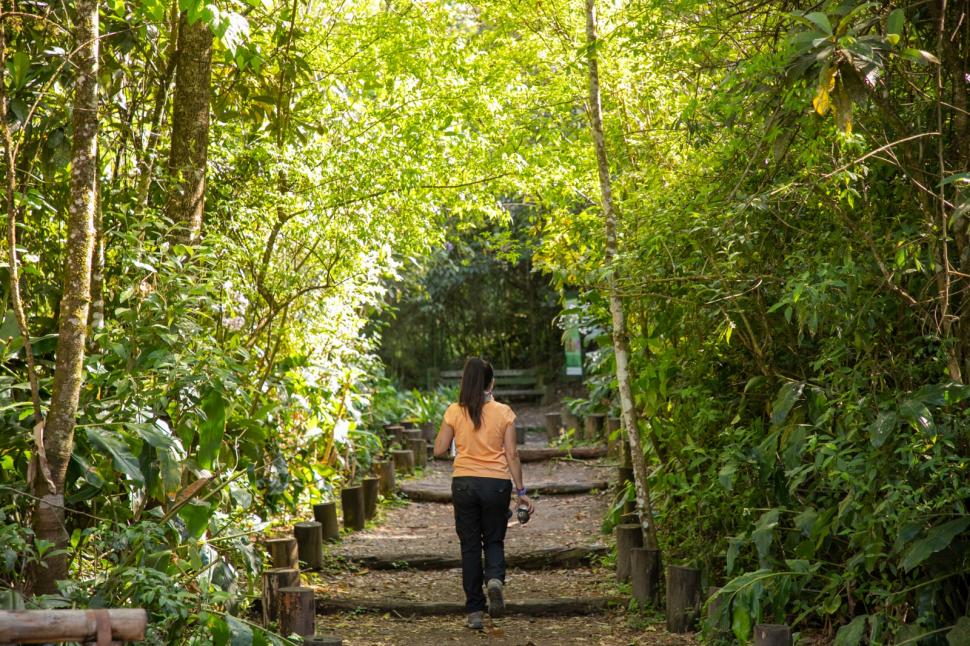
{"x":48,"y":521}
{"x":190,"y":128}
{"x":621,"y":349}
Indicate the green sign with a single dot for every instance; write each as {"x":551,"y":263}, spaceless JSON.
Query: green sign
{"x":572,"y":340}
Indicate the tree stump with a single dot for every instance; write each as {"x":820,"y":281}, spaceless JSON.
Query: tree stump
{"x":627,"y":537}
{"x":325,"y":513}
{"x":629,"y":507}
{"x":352,"y":503}
{"x":719,"y":620}
{"x":613,"y":424}
{"x":520,"y":435}
{"x":570,"y":421}
{"x":683,"y":598}
{"x":396,"y":433}
{"x":409,"y":424}
{"x":631,"y":518}
{"x":553,"y":426}
{"x":403,"y":460}
{"x":371,"y":487}
{"x":420,"y":450}
{"x":772,"y":635}
{"x":411,"y":434}
{"x":274,"y":580}
{"x":428,"y":432}
{"x":297,"y":611}
{"x":322,"y":640}
{"x":627,"y":460}
{"x":309,"y":538}
{"x":645,"y":575}
{"x":385,"y":471}
{"x":283,"y":552}
{"x":594,"y":426}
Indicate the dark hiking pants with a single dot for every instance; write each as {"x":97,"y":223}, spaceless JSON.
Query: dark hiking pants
{"x":480,"y":520}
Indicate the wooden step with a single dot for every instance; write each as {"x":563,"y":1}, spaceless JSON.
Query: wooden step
{"x":404,"y":607}
{"x":419,"y":492}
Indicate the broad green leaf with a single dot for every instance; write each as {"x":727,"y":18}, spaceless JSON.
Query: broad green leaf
{"x":805,"y":521}
{"x":240,"y":634}
{"x":920,"y":56}
{"x":196,"y":518}
{"x":787,"y":396}
{"x":959,"y":635}
{"x":851,"y":633}
{"x":918,"y":415}
{"x":763,"y":533}
{"x":821,"y":21}
{"x":734,"y":547}
{"x":938,"y":538}
{"x":211,"y":429}
{"x":741,"y":622}
{"x":880,"y":430}
{"x":121,"y":456}
{"x":894,"y":26}
{"x":726,"y":475}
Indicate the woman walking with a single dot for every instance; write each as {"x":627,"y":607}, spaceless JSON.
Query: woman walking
{"x":484,"y":434}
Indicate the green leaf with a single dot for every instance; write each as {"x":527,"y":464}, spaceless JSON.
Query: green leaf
{"x":805,"y":521}
{"x":196,"y":518}
{"x":787,"y":396}
{"x":734,"y":547}
{"x":741,"y":622}
{"x":918,"y":415}
{"x":764,"y":530}
{"x":121,"y":456}
{"x":851,"y":633}
{"x":960,"y":634}
{"x":894,"y":26}
{"x":821,"y":21}
{"x":240,"y":634}
{"x":726,"y":475}
{"x":937,"y":539}
{"x":880,"y":430}
{"x":919,"y":56}
{"x":211,"y":429}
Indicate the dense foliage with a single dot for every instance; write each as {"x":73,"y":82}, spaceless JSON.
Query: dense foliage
{"x":792,"y":180}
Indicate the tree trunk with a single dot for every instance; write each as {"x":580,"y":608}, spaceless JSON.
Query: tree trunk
{"x":620,"y":344}
{"x":75,"y":300}
{"x":190,"y":128}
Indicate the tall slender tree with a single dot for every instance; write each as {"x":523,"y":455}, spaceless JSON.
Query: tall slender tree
{"x":58,"y":430}
{"x":190,"y":127}
{"x":621,"y":348}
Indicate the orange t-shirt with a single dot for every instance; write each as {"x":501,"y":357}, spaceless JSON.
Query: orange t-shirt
{"x":480,"y":452}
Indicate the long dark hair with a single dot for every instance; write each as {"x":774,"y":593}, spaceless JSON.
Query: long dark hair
{"x":475,"y":378}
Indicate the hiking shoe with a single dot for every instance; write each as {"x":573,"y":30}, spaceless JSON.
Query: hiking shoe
{"x":496,"y":601}
{"x":476,"y":620}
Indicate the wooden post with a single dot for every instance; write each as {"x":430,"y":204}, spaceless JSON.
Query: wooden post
{"x":352,"y":502}
{"x":612,"y":424}
{"x":325,"y":513}
{"x":716,"y":603}
{"x":428,"y":432}
{"x":683,"y":598}
{"x":371,"y":487}
{"x":396,"y":432}
{"x":553,"y":426}
{"x":385,"y":471}
{"x":322,"y":640}
{"x":627,"y":460}
{"x":420,"y":450}
{"x":283,"y":552}
{"x":403,"y":460}
{"x":409,"y":424}
{"x":772,"y":635}
{"x":631,"y":518}
{"x":613,"y":444}
{"x":309,"y":539}
{"x":645,"y":575}
{"x":43,"y":626}
{"x":594,"y":426}
{"x":624,"y":475}
{"x":627,"y":537}
{"x":273,"y":581}
{"x":297,"y":611}
{"x":570,"y":421}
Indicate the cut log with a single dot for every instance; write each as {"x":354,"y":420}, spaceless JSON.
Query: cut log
{"x":395,"y":433}
{"x":683,"y":598}
{"x":632,"y":518}
{"x":411,"y":434}
{"x":772,"y":635}
{"x":627,"y":460}
{"x":624,"y":475}
{"x":403,"y":460}
{"x":593,"y":426}
{"x":612,"y":424}
{"x":371,"y":486}
{"x":570,"y":421}
{"x":645,"y":575}
{"x":42,"y":626}
{"x":420,"y":450}
{"x":385,"y":471}
{"x":273,"y":581}
{"x":577,"y":453}
{"x":553,"y":426}
{"x":297,"y":611}
{"x":409,"y":424}
{"x":322,"y":640}
{"x":428,"y":432}
{"x":429,"y":493}
{"x":627,"y":538}
{"x":558,"y":557}
{"x":530,"y":607}
{"x":283,"y":552}
{"x":352,"y":503}
{"x":309,"y":539}
{"x":325,"y":513}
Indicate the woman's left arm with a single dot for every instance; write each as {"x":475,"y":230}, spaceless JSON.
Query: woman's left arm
{"x":442,"y":443}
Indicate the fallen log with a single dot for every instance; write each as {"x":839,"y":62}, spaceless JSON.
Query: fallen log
{"x":41,"y":626}
{"x":553,"y":557}
{"x":404,"y":607}
{"x":425,"y":493}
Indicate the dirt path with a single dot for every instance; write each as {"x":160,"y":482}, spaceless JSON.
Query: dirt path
{"x":552,"y":605}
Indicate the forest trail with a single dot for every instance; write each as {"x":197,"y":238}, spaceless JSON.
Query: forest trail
{"x":401,"y":583}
